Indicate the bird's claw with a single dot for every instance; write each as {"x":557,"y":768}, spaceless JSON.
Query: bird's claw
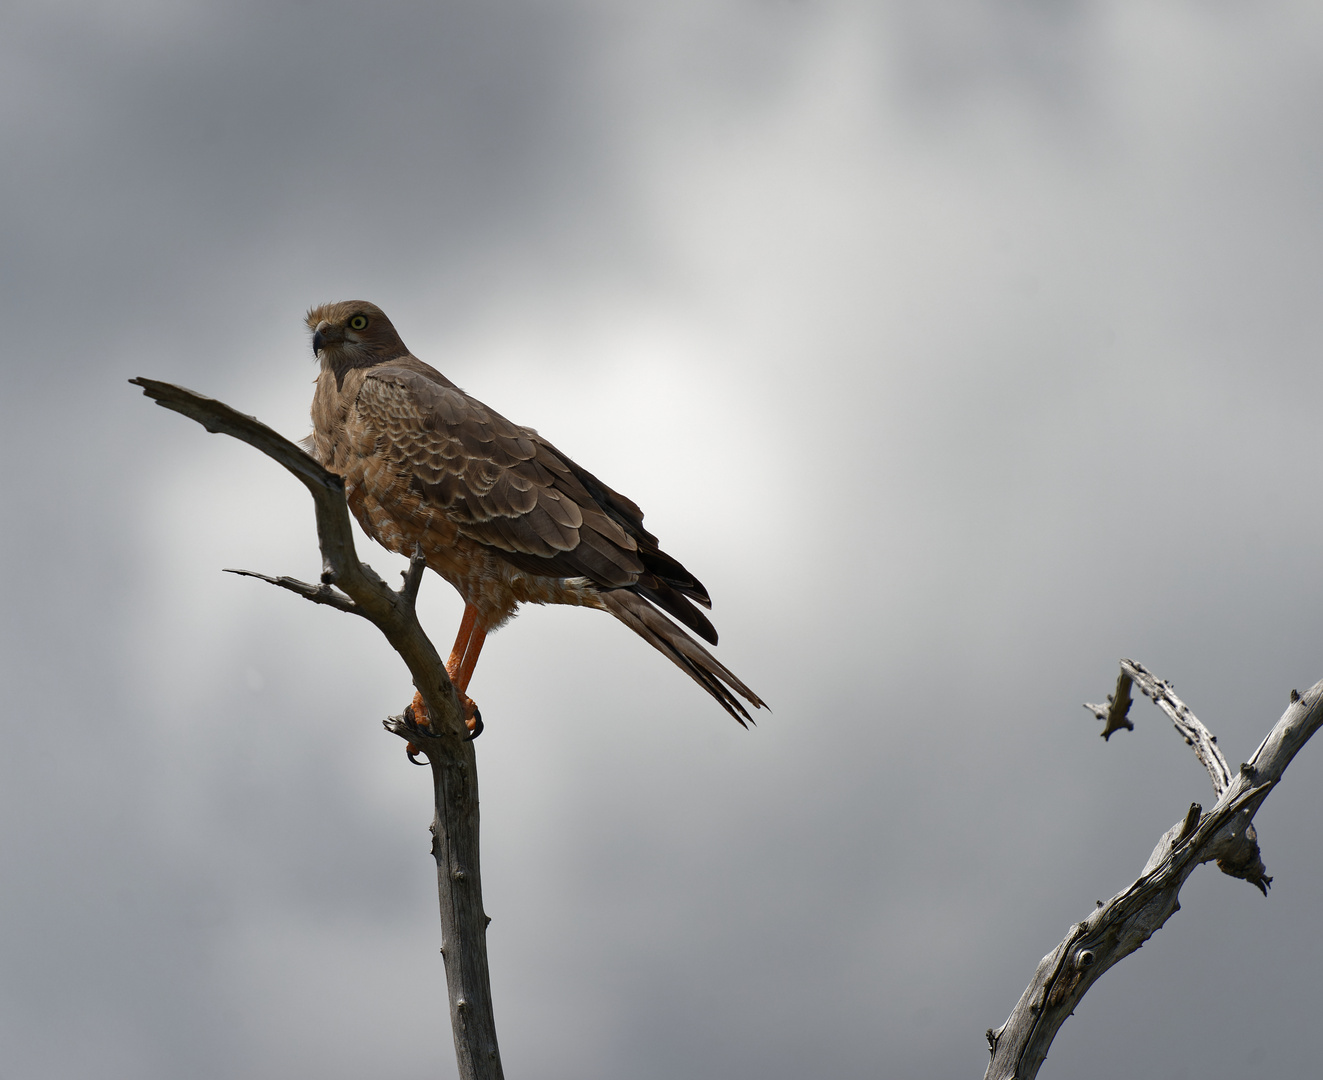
{"x":415,"y":714}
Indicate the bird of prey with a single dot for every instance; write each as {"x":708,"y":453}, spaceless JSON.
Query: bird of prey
{"x":499,"y":512}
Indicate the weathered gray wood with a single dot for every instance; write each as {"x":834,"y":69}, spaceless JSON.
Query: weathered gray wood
{"x":1203,"y":741}
{"x":459,"y":885}
{"x":352,"y":586}
{"x":1117,"y":928}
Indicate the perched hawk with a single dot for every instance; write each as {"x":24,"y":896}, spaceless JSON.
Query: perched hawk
{"x":500,"y":513}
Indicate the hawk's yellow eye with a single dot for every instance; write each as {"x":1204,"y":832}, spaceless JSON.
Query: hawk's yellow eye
{"x":358,"y":322}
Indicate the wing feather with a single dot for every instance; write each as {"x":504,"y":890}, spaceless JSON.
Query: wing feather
{"x":507,"y":488}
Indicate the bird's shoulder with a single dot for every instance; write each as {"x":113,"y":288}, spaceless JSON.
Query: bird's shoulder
{"x":479,"y":466}
{"x":408,"y":392}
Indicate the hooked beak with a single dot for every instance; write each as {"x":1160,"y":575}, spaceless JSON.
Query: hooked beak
{"x":325,"y":335}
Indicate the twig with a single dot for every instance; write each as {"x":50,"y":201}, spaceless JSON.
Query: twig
{"x":449,"y":752}
{"x":1117,"y":928}
{"x":1187,"y":724}
{"x":318,"y":594}
{"x":1116,"y":713}
{"x":413,"y":577}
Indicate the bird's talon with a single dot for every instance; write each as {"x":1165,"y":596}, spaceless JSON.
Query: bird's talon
{"x":471,"y":713}
{"x":412,"y":752}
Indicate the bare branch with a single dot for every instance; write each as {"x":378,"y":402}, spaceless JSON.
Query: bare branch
{"x":1187,"y":724}
{"x":413,"y":577}
{"x":445,"y":741}
{"x":1115,"y":713}
{"x":318,"y":594}
{"x":1117,"y":928}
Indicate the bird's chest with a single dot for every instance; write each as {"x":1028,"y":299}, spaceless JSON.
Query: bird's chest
{"x":377,"y":480}
{"x":387,"y":501}
{"x":391,"y":510}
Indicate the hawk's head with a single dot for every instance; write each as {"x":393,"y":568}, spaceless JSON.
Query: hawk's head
{"x":353,"y":333}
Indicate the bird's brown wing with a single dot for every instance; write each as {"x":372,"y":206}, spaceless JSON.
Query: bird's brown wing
{"x":506,"y":488}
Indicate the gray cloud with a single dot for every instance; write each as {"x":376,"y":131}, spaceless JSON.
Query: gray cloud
{"x":980,"y":342}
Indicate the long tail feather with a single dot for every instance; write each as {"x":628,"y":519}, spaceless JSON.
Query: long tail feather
{"x":683,"y":651}
{"x":676,"y":605}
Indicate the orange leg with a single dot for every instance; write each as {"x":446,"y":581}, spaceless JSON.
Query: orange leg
{"x":463,"y":658}
{"x":466,"y":628}
{"x":470,"y":660}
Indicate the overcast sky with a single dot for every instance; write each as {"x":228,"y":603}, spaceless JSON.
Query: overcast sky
{"x":961,"y":348}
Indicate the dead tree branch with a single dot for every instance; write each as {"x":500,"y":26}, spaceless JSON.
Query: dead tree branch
{"x":1117,"y":928}
{"x":352,"y":586}
{"x":1164,"y":697}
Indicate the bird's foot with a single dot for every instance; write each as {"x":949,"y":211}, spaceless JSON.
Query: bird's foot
{"x":416,"y":713}
{"x":472,"y":716}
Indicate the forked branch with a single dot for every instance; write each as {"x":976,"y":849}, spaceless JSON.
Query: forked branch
{"x":352,"y":586}
{"x":1224,"y":834}
{"x":1204,"y":742}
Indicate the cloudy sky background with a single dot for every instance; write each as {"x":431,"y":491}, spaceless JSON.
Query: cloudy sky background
{"x":961,"y":348}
